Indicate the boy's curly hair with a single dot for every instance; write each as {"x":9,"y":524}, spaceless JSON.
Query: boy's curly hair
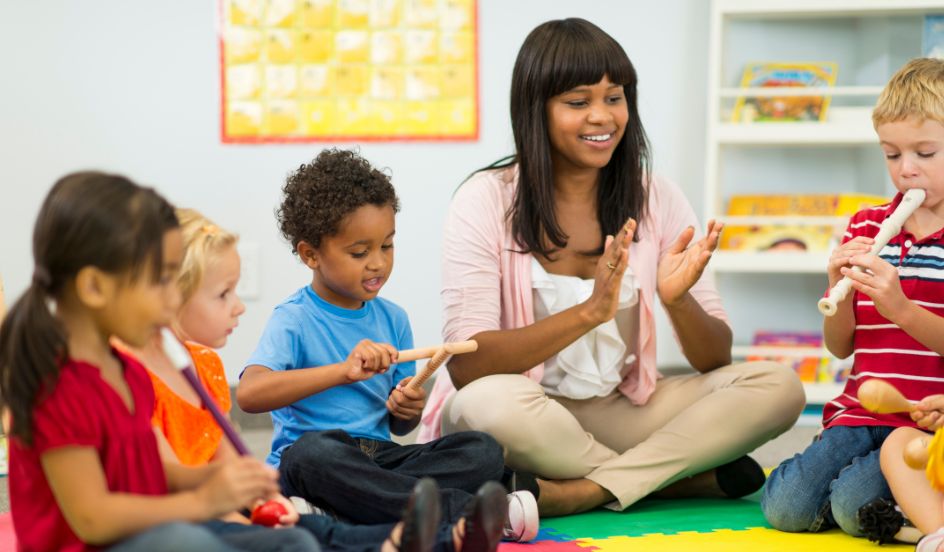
{"x":317,"y":196}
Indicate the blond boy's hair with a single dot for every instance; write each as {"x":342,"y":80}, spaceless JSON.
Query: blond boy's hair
{"x":916,"y":90}
{"x":203,"y":240}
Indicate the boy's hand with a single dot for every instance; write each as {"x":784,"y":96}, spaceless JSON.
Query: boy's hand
{"x":929,"y":412}
{"x":369,"y":358}
{"x":879,"y":280}
{"x":406,"y":403}
{"x":841,"y":256}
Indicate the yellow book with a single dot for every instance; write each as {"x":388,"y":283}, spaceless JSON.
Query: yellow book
{"x":795,"y":237}
{"x":749,"y":109}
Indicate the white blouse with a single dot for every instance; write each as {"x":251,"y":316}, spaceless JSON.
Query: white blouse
{"x":594,"y":364}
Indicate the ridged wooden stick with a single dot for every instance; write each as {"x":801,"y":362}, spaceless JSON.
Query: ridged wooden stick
{"x":455,"y":348}
{"x":881,"y":397}
{"x":437,"y":356}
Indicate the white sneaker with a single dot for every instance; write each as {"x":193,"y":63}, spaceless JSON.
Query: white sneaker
{"x":932,"y":542}
{"x":303,"y":507}
{"x":523,"y":521}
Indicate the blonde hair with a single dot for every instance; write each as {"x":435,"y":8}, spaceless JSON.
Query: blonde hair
{"x":916,"y":90}
{"x":202,"y":241}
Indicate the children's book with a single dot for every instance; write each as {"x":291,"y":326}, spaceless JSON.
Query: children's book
{"x":794,"y":237}
{"x":750,"y":109}
{"x":809,"y":369}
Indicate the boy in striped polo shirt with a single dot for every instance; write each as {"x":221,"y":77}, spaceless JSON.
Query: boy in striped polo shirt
{"x":893,"y":322}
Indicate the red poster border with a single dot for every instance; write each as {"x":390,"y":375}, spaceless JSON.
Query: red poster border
{"x":344,"y":138}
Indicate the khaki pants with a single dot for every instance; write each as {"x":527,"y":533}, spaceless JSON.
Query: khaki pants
{"x":690,"y":424}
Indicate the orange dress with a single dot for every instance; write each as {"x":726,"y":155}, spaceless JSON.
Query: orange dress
{"x":191,"y":431}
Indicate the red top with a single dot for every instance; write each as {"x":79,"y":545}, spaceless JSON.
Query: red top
{"x":882,"y":349}
{"x":84,"y":411}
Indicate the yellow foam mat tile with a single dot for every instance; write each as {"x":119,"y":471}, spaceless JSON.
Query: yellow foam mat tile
{"x":754,"y":540}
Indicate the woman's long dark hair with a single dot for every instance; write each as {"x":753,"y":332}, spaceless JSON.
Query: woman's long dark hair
{"x":87,"y":219}
{"x":556,"y":57}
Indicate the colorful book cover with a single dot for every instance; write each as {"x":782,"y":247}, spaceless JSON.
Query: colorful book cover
{"x":793,"y":237}
{"x":784,"y":108}
{"x":809,"y":369}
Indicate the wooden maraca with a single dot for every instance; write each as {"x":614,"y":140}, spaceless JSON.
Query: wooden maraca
{"x":916,"y":452}
{"x":881,"y":397}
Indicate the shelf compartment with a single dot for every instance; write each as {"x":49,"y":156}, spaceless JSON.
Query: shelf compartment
{"x":818,"y":8}
{"x":796,"y":133}
{"x":822,"y":393}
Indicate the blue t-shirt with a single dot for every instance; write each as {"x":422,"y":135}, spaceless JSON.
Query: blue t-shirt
{"x":305,"y":331}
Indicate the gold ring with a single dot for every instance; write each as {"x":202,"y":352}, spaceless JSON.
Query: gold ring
{"x":610,"y":265}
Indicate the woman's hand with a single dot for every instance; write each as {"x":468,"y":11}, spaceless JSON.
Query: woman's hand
{"x":682,"y":266}
{"x":841,"y":256}
{"x":880,"y":281}
{"x":602,"y":303}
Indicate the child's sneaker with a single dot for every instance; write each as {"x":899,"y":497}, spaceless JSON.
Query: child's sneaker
{"x":523,"y":520}
{"x":882,"y":521}
{"x":933,"y":542}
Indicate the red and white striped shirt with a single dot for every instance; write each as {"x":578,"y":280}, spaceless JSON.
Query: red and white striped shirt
{"x":882,"y":349}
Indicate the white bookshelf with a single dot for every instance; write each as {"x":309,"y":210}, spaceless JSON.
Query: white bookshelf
{"x":868,"y":40}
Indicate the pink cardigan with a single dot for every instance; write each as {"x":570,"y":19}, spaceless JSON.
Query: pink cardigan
{"x":487,"y":286}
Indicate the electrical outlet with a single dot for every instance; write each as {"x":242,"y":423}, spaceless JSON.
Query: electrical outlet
{"x":250,"y":270}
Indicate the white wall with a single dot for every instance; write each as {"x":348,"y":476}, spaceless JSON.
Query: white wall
{"x":133,"y":87}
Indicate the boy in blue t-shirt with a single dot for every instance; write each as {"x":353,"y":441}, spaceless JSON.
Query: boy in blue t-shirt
{"x":326,"y":365}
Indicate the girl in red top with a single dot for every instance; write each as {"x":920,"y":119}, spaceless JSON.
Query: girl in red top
{"x":85,"y":471}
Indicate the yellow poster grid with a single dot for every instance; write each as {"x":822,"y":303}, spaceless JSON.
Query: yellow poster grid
{"x":339,"y":70}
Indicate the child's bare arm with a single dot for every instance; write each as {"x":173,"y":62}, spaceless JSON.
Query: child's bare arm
{"x":99,"y":516}
{"x":262,"y":389}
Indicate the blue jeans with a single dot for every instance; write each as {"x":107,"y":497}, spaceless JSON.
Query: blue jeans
{"x":825,"y":485}
{"x":368,"y":481}
{"x":217,"y":536}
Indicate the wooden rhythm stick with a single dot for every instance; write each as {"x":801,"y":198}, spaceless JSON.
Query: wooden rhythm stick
{"x":437,"y":356}
{"x":881,"y":397}
{"x":912,"y":199}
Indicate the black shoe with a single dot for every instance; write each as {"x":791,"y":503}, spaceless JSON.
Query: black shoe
{"x":740,"y":477}
{"x":485,"y":518}
{"x":881,"y":521}
{"x":420,"y":518}
{"x":516,"y":480}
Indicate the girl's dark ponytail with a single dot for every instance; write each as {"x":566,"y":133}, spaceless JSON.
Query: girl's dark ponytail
{"x":29,"y":336}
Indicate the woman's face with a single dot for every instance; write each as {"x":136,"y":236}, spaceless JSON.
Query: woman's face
{"x":585,"y":124}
